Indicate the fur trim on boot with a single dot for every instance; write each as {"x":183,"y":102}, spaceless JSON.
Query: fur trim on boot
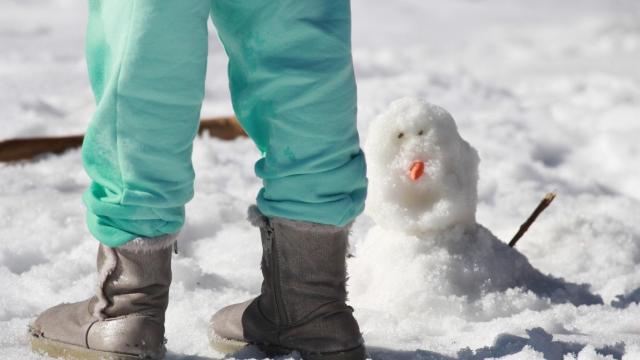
{"x":147,"y":245}
{"x":258,"y":219}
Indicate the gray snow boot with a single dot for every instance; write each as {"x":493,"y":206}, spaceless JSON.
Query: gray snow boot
{"x":302,"y":305}
{"x":125,"y":319}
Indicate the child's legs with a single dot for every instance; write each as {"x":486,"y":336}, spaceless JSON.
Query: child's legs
{"x":293,"y":89}
{"x":147,"y":61}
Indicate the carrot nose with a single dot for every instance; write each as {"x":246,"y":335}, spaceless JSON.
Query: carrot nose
{"x":416,"y":170}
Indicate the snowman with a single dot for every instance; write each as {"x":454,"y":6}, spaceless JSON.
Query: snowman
{"x":423,"y":176}
{"x":426,"y":254}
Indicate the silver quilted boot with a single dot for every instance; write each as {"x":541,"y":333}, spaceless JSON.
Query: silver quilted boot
{"x":125,"y":319}
{"x":302,"y":304}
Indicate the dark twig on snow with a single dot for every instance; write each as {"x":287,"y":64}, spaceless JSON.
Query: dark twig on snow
{"x":539,"y":209}
{"x":226,"y":128}
{"x":29,"y":148}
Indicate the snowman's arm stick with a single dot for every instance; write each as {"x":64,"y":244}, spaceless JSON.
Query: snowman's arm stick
{"x":225,"y":128}
{"x":539,"y":209}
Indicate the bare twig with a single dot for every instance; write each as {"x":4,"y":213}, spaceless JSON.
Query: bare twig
{"x":226,"y":128}
{"x":539,"y":209}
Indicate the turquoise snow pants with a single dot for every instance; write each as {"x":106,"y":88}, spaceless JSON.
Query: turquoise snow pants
{"x":293,"y":90}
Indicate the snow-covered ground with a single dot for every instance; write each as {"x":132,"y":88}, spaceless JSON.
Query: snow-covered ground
{"x":547,"y":91}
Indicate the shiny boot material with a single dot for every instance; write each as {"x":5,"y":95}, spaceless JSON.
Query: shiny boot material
{"x":125,"y":319}
{"x":302,"y":305}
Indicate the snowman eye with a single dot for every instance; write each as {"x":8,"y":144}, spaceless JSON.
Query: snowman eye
{"x":420,"y":132}
{"x":400,"y":135}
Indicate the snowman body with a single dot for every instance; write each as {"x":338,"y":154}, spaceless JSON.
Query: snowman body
{"x":426,"y":254}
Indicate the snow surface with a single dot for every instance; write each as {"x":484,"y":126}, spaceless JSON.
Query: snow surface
{"x":548,"y":92}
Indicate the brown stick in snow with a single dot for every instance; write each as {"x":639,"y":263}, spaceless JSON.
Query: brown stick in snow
{"x":524,"y":227}
{"x":226,"y":128}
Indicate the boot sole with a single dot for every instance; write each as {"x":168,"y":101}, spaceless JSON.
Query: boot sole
{"x":359,"y":353}
{"x":229,"y":346}
{"x":60,"y":350}
{"x":226,"y":346}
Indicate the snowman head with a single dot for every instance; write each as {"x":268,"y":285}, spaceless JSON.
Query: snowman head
{"x":422,"y":175}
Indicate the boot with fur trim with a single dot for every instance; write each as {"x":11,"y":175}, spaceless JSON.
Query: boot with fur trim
{"x":125,"y":319}
{"x":302,"y":305}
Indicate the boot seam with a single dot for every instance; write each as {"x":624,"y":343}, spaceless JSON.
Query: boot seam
{"x":86,"y":334}
{"x":111,"y":262}
{"x":316,"y":314}
{"x":281,"y":306}
{"x":140,"y":341}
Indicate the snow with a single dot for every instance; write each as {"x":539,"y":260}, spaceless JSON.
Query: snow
{"x":547,"y":92}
